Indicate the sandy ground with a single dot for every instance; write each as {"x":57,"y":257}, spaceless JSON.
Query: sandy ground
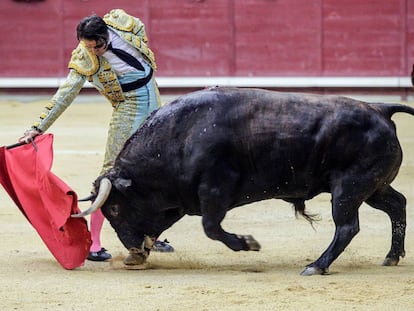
{"x":202,"y":274}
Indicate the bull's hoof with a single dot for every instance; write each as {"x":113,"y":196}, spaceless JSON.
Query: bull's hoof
{"x":312,"y":270}
{"x":252,"y":244}
{"x":136,"y":257}
{"x":390,"y":262}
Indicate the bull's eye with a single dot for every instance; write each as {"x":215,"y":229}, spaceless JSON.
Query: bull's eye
{"x":115,"y":210}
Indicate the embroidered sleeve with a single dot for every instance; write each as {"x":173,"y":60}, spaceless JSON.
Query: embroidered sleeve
{"x":64,"y":96}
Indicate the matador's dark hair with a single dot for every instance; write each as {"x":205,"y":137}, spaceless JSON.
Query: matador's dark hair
{"x":92,"y":28}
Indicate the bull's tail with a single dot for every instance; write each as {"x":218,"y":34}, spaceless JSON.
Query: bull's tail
{"x":299,"y":206}
{"x":389,"y":109}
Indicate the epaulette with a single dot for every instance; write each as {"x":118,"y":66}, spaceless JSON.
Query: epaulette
{"x":83,"y":61}
{"x":120,"y":20}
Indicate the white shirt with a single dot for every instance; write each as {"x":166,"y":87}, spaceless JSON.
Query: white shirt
{"x":118,"y":65}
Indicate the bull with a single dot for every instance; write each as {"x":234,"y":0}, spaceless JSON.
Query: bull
{"x":212,"y":150}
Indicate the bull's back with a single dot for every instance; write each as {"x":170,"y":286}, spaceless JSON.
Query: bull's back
{"x":286,"y":122}
{"x":273,"y":140}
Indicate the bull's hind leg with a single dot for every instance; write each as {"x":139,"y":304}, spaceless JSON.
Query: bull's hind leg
{"x":393,"y":203}
{"x":345,"y":205}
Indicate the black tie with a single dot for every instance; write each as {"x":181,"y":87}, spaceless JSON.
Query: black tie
{"x":126,"y":57}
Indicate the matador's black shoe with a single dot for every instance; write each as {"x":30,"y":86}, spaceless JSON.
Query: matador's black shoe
{"x":101,"y":255}
{"x":162,"y":247}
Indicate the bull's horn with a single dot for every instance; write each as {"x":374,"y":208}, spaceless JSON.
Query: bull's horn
{"x":88,"y":198}
{"x":104,"y":190}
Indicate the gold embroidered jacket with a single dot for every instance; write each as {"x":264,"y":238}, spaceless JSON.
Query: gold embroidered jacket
{"x":84,"y":65}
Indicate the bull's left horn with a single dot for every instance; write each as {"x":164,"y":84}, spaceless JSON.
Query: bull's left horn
{"x":104,"y":190}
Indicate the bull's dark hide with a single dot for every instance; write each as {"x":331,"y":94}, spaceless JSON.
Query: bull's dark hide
{"x":212,"y":150}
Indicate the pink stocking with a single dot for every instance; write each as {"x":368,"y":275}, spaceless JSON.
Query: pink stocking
{"x":97,"y":219}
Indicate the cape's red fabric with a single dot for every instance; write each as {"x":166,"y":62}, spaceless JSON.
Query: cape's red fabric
{"x":45,"y":200}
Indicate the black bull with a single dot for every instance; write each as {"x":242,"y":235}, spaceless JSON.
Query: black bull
{"x":212,"y":150}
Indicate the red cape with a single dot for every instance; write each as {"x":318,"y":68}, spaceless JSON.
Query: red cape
{"x":45,"y":200}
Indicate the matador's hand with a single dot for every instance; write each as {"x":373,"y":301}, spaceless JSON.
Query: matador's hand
{"x":29,"y":135}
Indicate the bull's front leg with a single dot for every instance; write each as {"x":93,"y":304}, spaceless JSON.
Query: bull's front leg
{"x":138,"y":256}
{"x":236,"y":242}
{"x":214,"y":203}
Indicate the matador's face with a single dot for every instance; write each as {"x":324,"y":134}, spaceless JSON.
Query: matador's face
{"x":97,"y":47}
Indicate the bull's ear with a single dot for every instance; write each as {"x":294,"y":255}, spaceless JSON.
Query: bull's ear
{"x":122,"y":184}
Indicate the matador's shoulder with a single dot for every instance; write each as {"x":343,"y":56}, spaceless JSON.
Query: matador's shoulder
{"x":120,"y":20}
{"x":83,"y":61}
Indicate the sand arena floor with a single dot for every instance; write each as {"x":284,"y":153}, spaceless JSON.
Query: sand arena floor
{"x":201,"y":274}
